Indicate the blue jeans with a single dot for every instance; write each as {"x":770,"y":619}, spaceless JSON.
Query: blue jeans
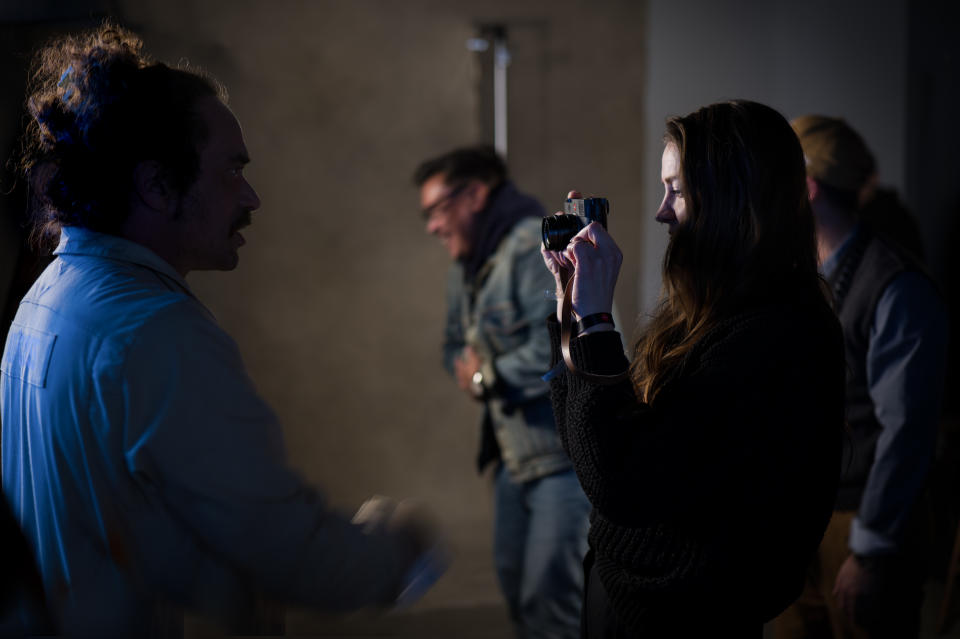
{"x":539,"y":540}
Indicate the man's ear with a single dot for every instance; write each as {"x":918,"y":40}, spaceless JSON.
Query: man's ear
{"x":477,"y":194}
{"x":152,"y":188}
{"x":813,"y":188}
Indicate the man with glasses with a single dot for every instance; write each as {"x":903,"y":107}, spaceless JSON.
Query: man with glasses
{"x":497,"y":348}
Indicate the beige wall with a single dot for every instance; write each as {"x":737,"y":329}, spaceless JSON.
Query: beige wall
{"x":337,"y":304}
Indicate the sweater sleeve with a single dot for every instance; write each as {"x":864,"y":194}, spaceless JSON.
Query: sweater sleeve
{"x":637,"y":460}
{"x":605,"y":355}
{"x":906,"y":359}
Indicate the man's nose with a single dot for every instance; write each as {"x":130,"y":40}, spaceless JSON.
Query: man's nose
{"x":251,"y":200}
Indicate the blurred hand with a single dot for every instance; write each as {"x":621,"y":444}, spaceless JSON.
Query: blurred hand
{"x":408,"y":518}
{"x":415,"y":520}
{"x":428,"y":556}
{"x":594,"y":259}
{"x":853,"y":581}
{"x":464,"y":367}
{"x":375,"y":513}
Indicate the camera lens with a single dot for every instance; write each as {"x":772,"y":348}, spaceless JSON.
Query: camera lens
{"x":558,"y":230}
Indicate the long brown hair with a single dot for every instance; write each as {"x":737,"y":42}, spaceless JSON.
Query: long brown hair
{"x":748,"y":227}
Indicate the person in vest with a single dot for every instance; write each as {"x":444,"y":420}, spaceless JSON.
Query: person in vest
{"x":867,"y":579}
{"x":497,"y":349}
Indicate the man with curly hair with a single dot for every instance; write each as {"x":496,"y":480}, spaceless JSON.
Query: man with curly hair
{"x":147,"y":473}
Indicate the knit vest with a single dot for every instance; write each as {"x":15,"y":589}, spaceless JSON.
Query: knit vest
{"x":858,"y":282}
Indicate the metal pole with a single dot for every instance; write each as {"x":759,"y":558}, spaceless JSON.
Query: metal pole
{"x":501,"y":58}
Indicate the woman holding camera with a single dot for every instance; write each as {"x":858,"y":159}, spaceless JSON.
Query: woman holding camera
{"x":712,"y":460}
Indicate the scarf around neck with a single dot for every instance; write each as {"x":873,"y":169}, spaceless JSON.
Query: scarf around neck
{"x":506,"y":206}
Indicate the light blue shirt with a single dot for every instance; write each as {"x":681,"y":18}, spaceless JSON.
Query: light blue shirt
{"x":145,"y":469}
{"x":906,"y":365}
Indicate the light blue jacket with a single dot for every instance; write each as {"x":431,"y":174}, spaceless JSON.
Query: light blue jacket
{"x":145,"y":469}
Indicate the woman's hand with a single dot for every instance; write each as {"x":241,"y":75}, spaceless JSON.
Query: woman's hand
{"x":594,"y":259}
{"x":558,"y":265}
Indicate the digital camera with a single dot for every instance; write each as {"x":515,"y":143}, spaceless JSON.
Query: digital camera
{"x":558,"y":230}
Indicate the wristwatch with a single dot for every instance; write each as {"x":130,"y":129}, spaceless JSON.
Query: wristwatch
{"x":476,"y":385}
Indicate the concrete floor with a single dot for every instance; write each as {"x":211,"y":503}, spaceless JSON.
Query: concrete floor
{"x":466,"y":604}
{"x":488,"y":620}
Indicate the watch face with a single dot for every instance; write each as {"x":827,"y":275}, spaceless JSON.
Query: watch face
{"x":476,"y":385}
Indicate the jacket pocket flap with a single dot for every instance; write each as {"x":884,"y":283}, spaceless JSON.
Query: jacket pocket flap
{"x":27,"y":355}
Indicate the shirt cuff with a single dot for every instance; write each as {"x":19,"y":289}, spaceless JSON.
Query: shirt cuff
{"x":425,"y":572}
{"x":864,"y":541}
{"x":489,"y":372}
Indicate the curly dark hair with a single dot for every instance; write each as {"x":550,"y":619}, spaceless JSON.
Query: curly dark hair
{"x":98,"y":107}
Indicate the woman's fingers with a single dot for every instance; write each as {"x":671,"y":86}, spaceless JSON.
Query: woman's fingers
{"x":555,"y":260}
{"x":578,"y":250}
{"x":557,"y":264}
{"x":598,"y":236}
{"x":551,"y":261}
{"x":596,"y":260}
{"x":593,"y":236}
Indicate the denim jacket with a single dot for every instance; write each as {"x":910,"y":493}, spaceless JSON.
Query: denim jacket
{"x":505,"y":325}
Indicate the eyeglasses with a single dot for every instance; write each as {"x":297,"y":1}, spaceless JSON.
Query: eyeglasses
{"x":429,"y":211}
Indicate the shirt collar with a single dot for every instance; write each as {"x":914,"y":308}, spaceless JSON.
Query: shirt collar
{"x":830,"y":264}
{"x":77,"y":240}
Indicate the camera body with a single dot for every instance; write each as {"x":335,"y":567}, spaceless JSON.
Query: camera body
{"x":558,"y":230}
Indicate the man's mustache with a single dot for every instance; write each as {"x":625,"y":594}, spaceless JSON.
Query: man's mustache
{"x":245,"y":219}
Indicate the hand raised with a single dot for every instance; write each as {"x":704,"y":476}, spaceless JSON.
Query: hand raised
{"x":557,"y":263}
{"x":595,"y":259}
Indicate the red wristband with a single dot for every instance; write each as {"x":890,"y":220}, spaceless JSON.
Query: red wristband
{"x":592,"y":320}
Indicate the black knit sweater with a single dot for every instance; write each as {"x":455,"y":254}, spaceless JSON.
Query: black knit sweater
{"x":709,"y":502}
